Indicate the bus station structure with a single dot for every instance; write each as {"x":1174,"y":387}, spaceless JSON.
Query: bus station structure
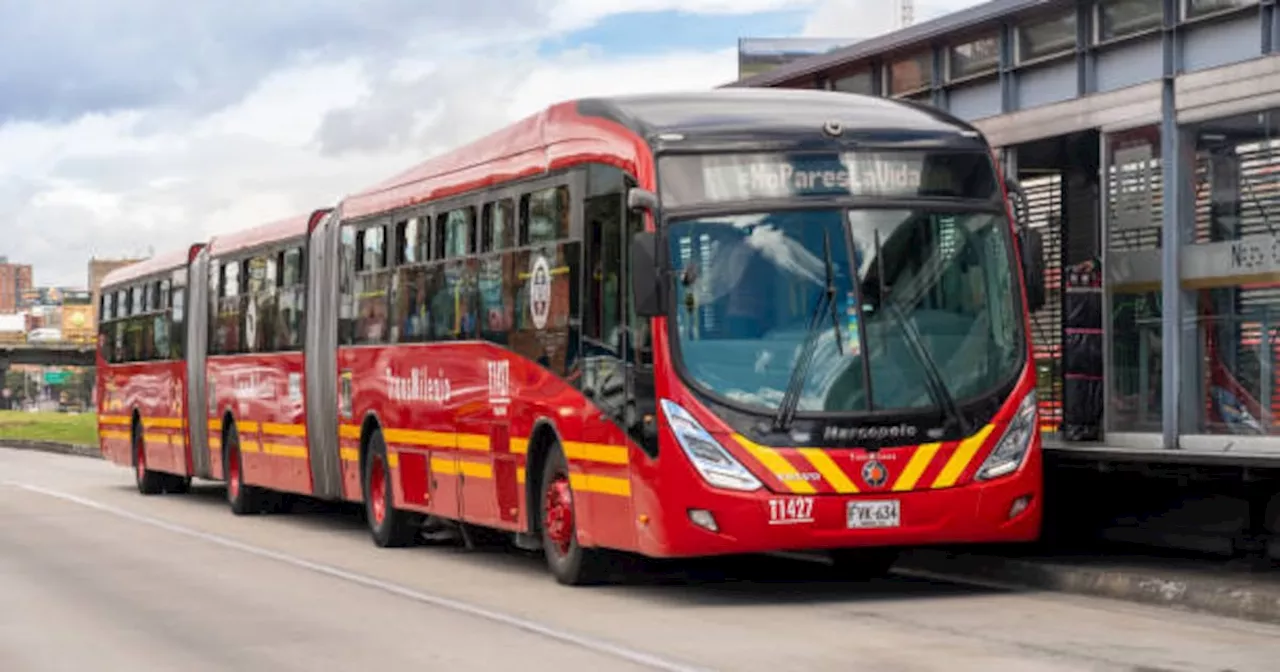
{"x":1145,"y":133}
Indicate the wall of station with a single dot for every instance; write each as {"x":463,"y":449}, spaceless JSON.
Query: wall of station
{"x":1182,"y":100}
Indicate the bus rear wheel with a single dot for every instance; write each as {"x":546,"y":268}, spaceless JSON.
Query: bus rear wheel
{"x":570,"y":563}
{"x":243,"y":499}
{"x":148,"y":482}
{"x":389,"y":526}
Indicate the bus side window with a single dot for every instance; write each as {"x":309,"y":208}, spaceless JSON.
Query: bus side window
{"x":178,"y":316}
{"x":348,"y":261}
{"x":292,"y":299}
{"x":372,"y":286}
{"x":408,"y":301}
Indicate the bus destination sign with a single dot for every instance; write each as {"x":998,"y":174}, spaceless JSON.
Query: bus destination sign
{"x":723,"y":178}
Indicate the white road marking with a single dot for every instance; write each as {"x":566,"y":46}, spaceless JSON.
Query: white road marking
{"x":583,"y":641}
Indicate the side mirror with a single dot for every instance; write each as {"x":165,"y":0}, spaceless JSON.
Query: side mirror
{"x":642,"y":199}
{"x":1032,"y":244}
{"x":646,"y":281}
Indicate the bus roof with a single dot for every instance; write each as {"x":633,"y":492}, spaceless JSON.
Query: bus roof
{"x":263,"y":234}
{"x":722,"y":112}
{"x":160,"y":263}
{"x":556,"y":137}
{"x":617,"y":130}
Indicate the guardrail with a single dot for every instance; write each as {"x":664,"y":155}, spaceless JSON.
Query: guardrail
{"x":60,"y":353}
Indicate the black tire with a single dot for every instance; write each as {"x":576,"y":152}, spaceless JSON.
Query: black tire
{"x":390,"y":527}
{"x":571,"y":564}
{"x":864,"y":564}
{"x":243,"y":499}
{"x":177,"y":485}
{"x":149,"y":482}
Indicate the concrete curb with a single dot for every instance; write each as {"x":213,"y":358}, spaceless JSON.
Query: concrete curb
{"x":1235,"y":596}
{"x":52,"y":447}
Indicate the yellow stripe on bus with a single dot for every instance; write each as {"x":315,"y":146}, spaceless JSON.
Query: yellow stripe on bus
{"x":916,"y":467}
{"x":285,"y":450}
{"x":282,"y":429}
{"x":776,"y":463}
{"x":600,"y":485}
{"x":829,"y":470}
{"x":163,"y":423}
{"x":596,"y":452}
{"x":961,"y":458}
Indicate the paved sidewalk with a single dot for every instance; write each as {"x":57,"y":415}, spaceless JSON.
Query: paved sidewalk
{"x":1224,"y":588}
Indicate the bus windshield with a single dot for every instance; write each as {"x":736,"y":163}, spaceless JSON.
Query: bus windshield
{"x":746,"y":288}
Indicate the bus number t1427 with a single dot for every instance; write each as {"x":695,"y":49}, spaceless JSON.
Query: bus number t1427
{"x":790,"y":510}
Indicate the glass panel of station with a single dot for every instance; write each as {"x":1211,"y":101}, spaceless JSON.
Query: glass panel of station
{"x":1061,"y":180}
{"x":1134,"y":210}
{"x":1231,"y":273}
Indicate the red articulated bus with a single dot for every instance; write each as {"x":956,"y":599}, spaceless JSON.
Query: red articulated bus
{"x":142,"y":371}
{"x":676,"y":325}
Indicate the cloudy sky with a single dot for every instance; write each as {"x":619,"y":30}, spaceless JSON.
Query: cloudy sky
{"x":128,"y":126}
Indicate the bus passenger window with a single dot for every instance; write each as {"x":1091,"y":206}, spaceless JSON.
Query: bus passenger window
{"x":546,"y":215}
{"x":504,"y":213}
{"x":457,"y":229}
{"x":408,"y":243}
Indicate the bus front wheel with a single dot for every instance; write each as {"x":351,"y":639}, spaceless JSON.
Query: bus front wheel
{"x":390,"y":527}
{"x":569,"y":562}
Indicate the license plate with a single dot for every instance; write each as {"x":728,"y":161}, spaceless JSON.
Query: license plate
{"x":877,"y":513}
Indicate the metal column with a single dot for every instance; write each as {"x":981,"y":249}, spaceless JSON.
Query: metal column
{"x":1173,"y":205}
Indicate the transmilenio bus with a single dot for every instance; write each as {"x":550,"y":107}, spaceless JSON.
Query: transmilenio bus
{"x":678,"y":325}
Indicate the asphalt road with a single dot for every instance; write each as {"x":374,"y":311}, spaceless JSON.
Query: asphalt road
{"x":94,"y":576}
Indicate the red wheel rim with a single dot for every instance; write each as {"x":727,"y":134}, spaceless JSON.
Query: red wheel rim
{"x":141,"y":458}
{"x":378,"y":490}
{"x":557,"y":513}
{"x":233,"y":471}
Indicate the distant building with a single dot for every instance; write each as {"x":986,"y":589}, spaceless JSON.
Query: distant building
{"x":15,"y":281}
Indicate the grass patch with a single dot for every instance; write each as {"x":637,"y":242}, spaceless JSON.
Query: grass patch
{"x":73,"y":428}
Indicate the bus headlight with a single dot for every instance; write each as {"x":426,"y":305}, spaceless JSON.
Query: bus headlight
{"x":713,"y":462}
{"x":1012,"y":448}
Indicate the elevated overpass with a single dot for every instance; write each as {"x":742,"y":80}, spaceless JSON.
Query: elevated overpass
{"x":46,"y":354}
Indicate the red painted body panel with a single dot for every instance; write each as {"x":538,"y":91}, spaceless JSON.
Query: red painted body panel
{"x":446,"y":432}
{"x":934,"y":509}
{"x":156,"y":392}
{"x":264,"y":396}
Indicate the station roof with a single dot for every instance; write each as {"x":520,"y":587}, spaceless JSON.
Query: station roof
{"x":941,"y":27}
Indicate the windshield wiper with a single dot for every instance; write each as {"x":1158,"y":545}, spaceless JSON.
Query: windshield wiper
{"x":933,"y":376}
{"x":795,"y":385}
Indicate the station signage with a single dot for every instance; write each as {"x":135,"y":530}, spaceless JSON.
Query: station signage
{"x":1225,"y":263}
{"x":724,"y":178}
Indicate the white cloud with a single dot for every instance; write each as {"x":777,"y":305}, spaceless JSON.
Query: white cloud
{"x":316,"y":124}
